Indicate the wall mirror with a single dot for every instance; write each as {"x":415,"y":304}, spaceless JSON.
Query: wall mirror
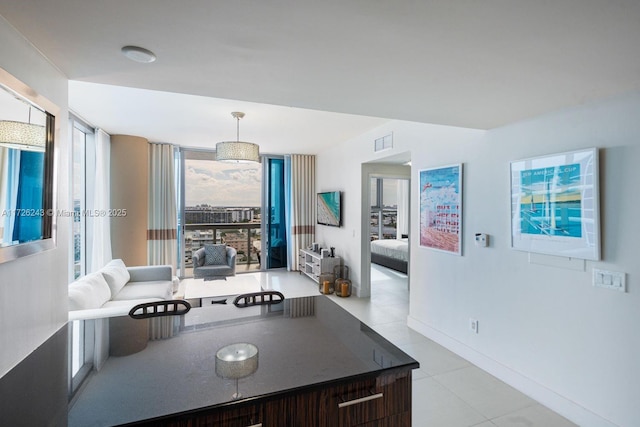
{"x":27,"y":129}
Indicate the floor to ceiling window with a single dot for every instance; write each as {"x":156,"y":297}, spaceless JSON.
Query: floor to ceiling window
{"x":83,"y":178}
{"x":221,"y":203}
{"x":81,"y":333}
{"x":385,"y":196}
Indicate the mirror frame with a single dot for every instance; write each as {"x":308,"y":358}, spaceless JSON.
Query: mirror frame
{"x":49,"y":228}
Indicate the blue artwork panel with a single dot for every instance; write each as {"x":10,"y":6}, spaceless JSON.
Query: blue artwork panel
{"x":551,"y":202}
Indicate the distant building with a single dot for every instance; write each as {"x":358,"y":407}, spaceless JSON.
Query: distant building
{"x":239,"y":241}
{"x":205,"y":214}
{"x":233,"y":234}
{"x":241,"y":214}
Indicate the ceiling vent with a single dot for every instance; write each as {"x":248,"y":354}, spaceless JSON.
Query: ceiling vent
{"x":383,"y":143}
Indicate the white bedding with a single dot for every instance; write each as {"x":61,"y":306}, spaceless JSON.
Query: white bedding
{"x":393,"y":248}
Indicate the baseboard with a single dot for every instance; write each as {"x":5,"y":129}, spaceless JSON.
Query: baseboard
{"x":552,"y":400}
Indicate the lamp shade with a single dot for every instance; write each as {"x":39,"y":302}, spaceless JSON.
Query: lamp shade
{"x":237,"y":151}
{"x":237,"y":360}
{"x":22,"y":136}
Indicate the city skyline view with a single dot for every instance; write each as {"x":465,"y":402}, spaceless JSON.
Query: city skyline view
{"x":222,"y":184}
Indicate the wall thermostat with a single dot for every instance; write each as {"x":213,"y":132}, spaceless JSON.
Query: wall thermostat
{"x":482,"y":240}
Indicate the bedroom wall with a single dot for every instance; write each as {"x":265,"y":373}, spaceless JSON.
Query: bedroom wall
{"x":543,"y":327}
{"x":33,"y":289}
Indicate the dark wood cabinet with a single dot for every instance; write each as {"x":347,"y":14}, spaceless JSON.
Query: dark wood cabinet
{"x":376,"y":401}
{"x":373,"y":399}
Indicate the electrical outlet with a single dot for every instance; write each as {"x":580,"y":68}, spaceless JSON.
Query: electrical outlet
{"x":473,"y":325}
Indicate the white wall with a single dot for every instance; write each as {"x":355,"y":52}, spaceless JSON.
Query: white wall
{"x":33,"y":289}
{"x":545,"y":330}
{"x":341,"y":168}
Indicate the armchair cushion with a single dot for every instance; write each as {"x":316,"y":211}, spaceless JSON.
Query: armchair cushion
{"x":215,"y":254}
{"x":116,"y":275}
{"x":202,"y":269}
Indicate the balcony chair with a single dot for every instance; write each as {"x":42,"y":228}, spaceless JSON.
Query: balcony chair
{"x":214,"y":261}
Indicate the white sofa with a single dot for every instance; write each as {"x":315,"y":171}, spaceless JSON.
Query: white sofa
{"x":115,"y":289}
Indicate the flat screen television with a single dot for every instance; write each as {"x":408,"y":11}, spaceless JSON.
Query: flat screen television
{"x":329,"y":209}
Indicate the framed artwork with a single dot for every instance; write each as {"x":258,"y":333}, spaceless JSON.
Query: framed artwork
{"x":441,"y":208}
{"x":555,"y":205}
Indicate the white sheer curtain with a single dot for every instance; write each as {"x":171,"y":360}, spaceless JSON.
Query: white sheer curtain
{"x":4,"y":180}
{"x":162,"y":218}
{"x":300,"y":204}
{"x":403,"y":208}
{"x":100,"y":251}
{"x":101,"y":224}
{"x":11,"y":175}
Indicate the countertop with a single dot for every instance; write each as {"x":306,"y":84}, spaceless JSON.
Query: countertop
{"x":303,"y":342}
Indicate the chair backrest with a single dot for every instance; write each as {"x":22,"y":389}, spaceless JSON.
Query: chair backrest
{"x":258,"y":298}
{"x":174,"y":307}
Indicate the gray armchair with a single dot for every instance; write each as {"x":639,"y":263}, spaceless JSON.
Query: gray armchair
{"x":203,"y":270}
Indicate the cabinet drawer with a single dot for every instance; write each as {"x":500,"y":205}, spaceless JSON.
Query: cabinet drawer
{"x":369,"y":400}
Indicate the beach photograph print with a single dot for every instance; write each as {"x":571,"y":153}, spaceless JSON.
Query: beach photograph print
{"x":328,"y":209}
{"x":554,"y":204}
{"x":441,"y":208}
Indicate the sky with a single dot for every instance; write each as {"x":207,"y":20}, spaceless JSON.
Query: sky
{"x":222,"y":184}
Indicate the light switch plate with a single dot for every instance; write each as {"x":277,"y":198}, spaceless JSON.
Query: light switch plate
{"x":609,"y":279}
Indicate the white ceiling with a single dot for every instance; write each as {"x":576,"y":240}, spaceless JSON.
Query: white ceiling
{"x":199,"y":121}
{"x":469,"y":63}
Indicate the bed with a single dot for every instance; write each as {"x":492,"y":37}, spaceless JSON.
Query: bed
{"x":391,"y":253}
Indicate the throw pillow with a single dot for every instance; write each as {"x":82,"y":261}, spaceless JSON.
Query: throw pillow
{"x":90,"y":291}
{"x":116,"y":275}
{"x":215,"y":254}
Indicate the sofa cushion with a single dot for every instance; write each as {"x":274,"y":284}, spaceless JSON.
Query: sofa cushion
{"x":139,"y":290}
{"x":213,"y":270}
{"x":215,"y":254}
{"x":116,"y":275}
{"x":90,"y":291}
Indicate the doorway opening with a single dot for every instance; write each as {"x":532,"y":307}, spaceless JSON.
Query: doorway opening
{"x":389,"y":236}
{"x":386,"y":218}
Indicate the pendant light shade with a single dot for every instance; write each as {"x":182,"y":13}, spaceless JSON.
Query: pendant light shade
{"x":237,"y":361}
{"x":22,"y":136}
{"x":237,"y":151}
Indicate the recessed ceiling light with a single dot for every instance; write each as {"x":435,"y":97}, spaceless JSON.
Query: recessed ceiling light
{"x":139,"y":54}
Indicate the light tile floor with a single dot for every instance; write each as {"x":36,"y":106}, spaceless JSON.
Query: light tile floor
{"x":448,"y":391}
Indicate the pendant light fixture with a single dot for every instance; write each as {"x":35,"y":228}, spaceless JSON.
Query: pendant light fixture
{"x":21,"y":135}
{"x":236,"y":361}
{"x":237,"y":151}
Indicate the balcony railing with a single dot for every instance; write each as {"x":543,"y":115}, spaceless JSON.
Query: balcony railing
{"x":196,"y":235}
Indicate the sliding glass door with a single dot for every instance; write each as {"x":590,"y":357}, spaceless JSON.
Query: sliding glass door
{"x":220,"y":203}
{"x":235,"y":204}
